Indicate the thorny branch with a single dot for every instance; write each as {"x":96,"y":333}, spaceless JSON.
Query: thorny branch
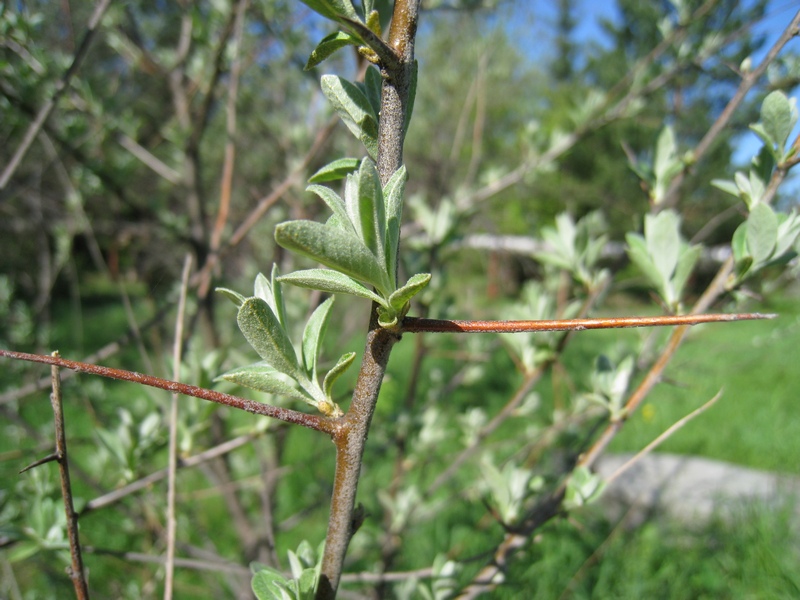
{"x":76,"y":570}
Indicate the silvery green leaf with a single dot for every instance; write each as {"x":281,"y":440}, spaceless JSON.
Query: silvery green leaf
{"x":639,"y":255}
{"x":234,"y":297}
{"x":278,"y":307}
{"x":264,"y":378}
{"x":340,"y":367}
{"x":333,"y":248}
{"x":662,"y":235}
{"x":332,"y":282}
{"x":769,"y":143}
{"x":307,"y":584}
{"x":762,"y":232}
{"x":268,"y":584}
{"x":583,"y":487}
{"x":778,"y":117}
{"x":354,"y":109}
{"x":413,"y":286}
{"x":726,"y":186}
{"x":267,"y":336}
{"x":313,"y":334}
{"x":335,"y":170}
{"x":263,"y":289}
{"x":371,"y":210}
{"x":336,"y":205}
{"x":372,"y":88}
{"x":666,"y":152}
{"x":332,"y":9}
{"x":739,"y":242}
{"x":328,"y":45}
{"x":393,"y":197}
{"x":788,"y":232}
{"x":686,"y":263}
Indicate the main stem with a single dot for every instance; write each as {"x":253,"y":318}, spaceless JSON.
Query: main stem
{"x":351,"y":436}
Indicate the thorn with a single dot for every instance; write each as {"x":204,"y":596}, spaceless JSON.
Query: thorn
{"x":41,"y":461}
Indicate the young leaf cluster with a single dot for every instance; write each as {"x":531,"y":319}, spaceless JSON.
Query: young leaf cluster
{"x":766,"y":237}
{"x":664,"y":257}
{"x":576,"y":247}
{"x":359,"y":243}
{"x":609,"y":385}
{"x":270,"y":584}
{"x":284,"y":371}
{"x":362,"y":30}
{"x":666,"y":164}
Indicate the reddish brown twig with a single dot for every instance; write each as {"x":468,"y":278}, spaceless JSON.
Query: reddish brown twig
{"x":314,"y":422}
{"x":412,"y":325}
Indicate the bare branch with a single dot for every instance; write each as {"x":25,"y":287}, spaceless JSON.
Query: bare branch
{"x":172,"y":468}
{"x":314,"y":422}
{"x":663,"y":437}
{"x":76,"y":571}
{"x":414,"y":325}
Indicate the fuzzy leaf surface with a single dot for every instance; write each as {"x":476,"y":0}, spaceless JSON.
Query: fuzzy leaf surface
{"x":332,"y":282}
{"x":333,"y":171}
{"x":354,"y":109}
{"x":267,"y":336}
{"x":340,"y":367}
{"x":313,"y":334}
{"x":333,"y":248}
{"x":328,"y":45}
{"x":264,"y":378}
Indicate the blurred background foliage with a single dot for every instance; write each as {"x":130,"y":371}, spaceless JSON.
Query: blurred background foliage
{"x":126,"y":178}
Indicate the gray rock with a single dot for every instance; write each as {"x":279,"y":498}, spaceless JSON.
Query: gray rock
{"x":690,"y":488}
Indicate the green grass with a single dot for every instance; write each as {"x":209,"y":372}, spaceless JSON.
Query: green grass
{"x":757,"y":558}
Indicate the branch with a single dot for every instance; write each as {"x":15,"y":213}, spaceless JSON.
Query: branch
{"x":314,"y":422}
{"x":76,"y":570}
{"x":352,"y":435}
{"x":173,"y":432}
{"x":413,"y":325}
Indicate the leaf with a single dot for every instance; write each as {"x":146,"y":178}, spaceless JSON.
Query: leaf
{"x":335,"y":170}
{"x":313,"y":334}
{"x":637,"y":252}
{"x":277,"y":296}
{"x":393,"y":198}
{"x":268,"y":584}
{"x":336,"y":205}
{"x":328,"y":45}
{"x":234,"y":297}
{"x":686,"y":263}
{"x":340,"y":367}
{"x":778,"y":118}
{"x":413,"y":286}
{"x":726,"y":186}
{"x":372,"y":88}
{"x":739,"y":242}
{"x":662,"y":235}
{"x":371,"y":210}
{"x":332,"y":9}
{"x":332,"y":282}
{"x":335,"y":249}
{"x":264,"y":378}
{"x":265,"y":334}
{"x":354,"y":109}
{"x":762,"y":232}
